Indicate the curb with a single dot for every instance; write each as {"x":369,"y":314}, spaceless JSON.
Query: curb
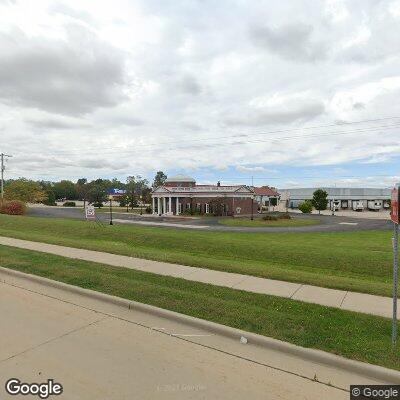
{"x":317,"y":356}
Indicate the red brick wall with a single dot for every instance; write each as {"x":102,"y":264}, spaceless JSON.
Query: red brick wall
{"x":232,"y":203}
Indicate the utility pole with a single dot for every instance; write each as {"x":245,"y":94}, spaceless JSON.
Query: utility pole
{"x":3,"y":156}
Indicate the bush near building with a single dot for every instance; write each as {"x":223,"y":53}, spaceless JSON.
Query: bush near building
{"x":276,"y":216}
{"x":69,"y":204}
{"x":306,"y":207}
{"x":13,"y":207}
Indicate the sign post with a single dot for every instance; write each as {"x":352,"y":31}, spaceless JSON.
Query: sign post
{"x":90,"y":213}
{"x":395,"y":218}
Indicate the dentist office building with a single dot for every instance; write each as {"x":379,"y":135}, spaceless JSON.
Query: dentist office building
{"x":181,"y":194}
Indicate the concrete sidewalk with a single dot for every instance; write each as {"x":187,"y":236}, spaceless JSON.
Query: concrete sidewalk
{"x":98,"y":350}
{"x":359,"y":302}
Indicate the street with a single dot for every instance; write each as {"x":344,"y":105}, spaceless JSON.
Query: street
{"x":99,"y":350}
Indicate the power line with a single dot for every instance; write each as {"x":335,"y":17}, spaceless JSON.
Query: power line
{"x":310,"y":177}
{"x":185,"y":146}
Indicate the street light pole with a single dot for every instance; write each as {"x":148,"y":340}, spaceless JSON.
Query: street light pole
{"x":252,"y":203}
{"x":111,"y":216}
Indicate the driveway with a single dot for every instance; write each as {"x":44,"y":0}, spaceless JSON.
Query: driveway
{"x":327,"y":223}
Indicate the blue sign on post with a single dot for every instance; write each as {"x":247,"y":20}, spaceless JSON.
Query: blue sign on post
{"x":117,"y":192}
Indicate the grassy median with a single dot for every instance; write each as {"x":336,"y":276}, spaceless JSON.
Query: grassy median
{"x":356,"y":261}
{"x":352,"y":335}
{"x":260,"y":223}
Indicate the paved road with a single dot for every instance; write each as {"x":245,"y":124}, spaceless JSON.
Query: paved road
{"x":101,"y":351}
{"x":328,"y":223}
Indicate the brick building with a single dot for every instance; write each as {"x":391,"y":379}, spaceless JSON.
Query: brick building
{"x":180,"y":194}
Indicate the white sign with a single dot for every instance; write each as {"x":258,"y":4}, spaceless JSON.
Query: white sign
{"x":90,"y":213}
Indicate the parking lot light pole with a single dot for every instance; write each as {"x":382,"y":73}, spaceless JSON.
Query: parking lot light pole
{"x":111,"y":216}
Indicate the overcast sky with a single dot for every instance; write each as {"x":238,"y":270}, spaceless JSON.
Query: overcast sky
{"x":219,"y":90}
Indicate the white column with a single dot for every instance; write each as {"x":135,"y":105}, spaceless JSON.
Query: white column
{"x":154,"y":204}
{"x":170,"y":204}
{"x":164,"y":205}
{"x":158,"y":205}
{"x":177,"y":206}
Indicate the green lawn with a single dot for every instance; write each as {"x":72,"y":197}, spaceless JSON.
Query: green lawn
{"x":352,"y":335}
{"x":357,"y":261}
{"x":260,"y":223}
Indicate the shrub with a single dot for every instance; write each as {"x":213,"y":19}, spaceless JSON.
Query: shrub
{"x":148,"y":210}
{"x":270,"y":218}
{"x":13,"y":207}
{"x":69,"y":204}
{"x":97,"y":204}
{"x":306,"y":207}
{"x":285,"y":216}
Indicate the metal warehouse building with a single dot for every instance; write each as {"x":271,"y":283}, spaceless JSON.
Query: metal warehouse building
{"x":357,"y":199}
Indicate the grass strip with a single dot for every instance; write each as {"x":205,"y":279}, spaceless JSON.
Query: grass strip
{"x":349,"y":334}
{"x":356,"y":261}
{"x":260,"y":223}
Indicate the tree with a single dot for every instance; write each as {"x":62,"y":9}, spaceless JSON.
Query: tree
{"x":159,"y":179}
{"x":65,"y":190}
{"x":131,"y":191}
{"x":51,"y":198}
{"x":320,"y":200}
{"x":25,"y":190}
{"x":135,"y":188}
{"x":82,"y":189}
{"x":97,"y":191}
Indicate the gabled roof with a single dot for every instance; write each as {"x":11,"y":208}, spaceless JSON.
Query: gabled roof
{"x":265,"y":191}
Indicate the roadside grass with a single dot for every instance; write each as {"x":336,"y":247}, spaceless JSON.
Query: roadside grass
{"x":260,"y":223}
{"x":356,"y":261}
{"x":357,"y":336}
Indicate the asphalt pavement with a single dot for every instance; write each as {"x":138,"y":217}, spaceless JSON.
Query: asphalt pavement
{"x":327,"y":223}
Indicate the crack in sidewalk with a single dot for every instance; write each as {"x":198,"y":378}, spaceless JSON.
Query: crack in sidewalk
{"x":53,"y":339}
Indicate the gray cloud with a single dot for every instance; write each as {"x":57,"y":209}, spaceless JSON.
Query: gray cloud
{"x":131,"y":77}
{"x":304,"y":110}
{"x":294,"y":41}
{"x":53,"y":123}
{"x":189,"y":85}
{"x":102,"y":164}
{"x":69,"y":77}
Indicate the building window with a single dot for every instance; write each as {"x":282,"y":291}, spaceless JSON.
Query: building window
{"x":187,"y":206}
{"x":238,"y":209}
{"x":198,"y":207}
{"x":207,"y":208}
